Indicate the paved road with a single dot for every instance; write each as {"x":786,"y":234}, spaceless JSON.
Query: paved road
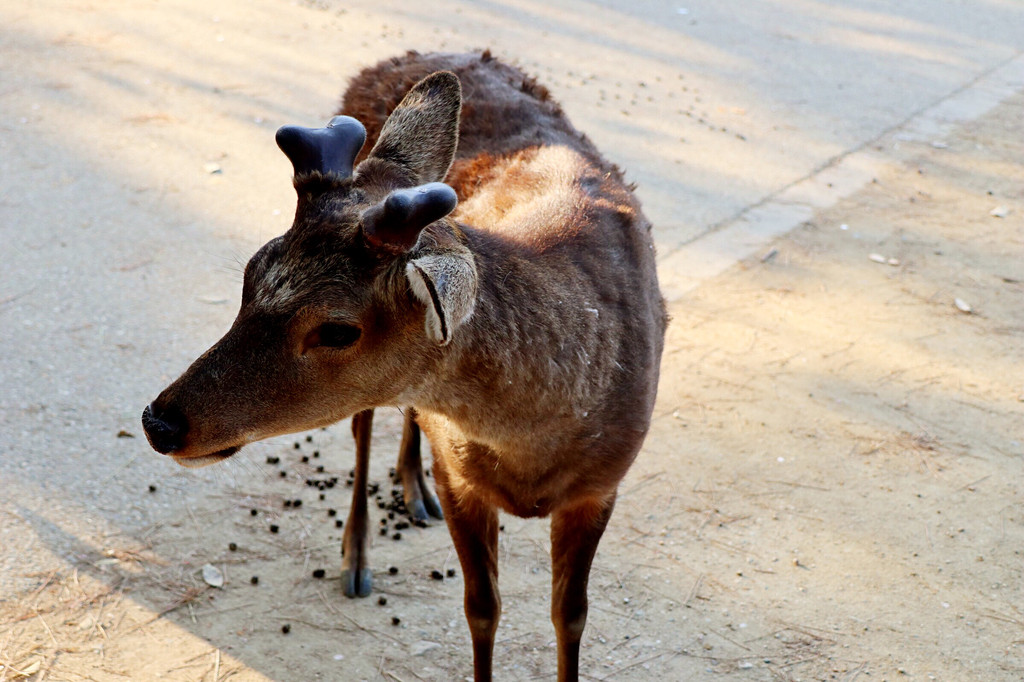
{"x":120,"y":250}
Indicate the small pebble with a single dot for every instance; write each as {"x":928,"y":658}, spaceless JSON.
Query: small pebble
{"x":393,"y":570}
{"x":383,"y":601}
{"x":233,"y":547}
{"x":297,"y":446}
{"x":437,"y":575}
{"x":273,"y":460}
{"x":254,"y":580}
{"x":320,"y":468}
{"x":319,"y":573}
{"x":152,"y":488}
{"x":395,"y":620}
{"x":383,"y":531}
{"x":396,"y":536}
{"x":253,"y":512}
{"x":451,"y":572}
{"x":332,"y":512}
{"x":287,"y":503}
{"x":305,"y":458}
{"x":339,"y":523}
{"x":286,"y":628}
{"x":274,"y":528}
{"x":322,"y":496}
{"x":309,"y":439}
{"x":283,"y":474}
{"x":316,"y":453}
{"x":296,"y":503}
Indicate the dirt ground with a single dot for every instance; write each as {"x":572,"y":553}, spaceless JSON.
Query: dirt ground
{"x":831,"y":489}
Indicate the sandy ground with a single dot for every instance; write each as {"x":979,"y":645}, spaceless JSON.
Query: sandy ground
{"x":831,"y":489}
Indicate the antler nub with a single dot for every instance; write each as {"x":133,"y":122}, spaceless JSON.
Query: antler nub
{"x":330,"y":150}
{"x":395,"y":223}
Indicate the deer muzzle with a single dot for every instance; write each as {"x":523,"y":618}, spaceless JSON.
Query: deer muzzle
{"x":166,"y":429}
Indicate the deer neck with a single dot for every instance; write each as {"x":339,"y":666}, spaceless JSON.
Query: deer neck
{"x":514,"y":367}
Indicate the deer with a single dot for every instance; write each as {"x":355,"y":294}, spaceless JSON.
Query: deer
{"x":479,"y":262}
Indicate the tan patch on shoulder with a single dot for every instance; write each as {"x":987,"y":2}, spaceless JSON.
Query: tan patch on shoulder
{"x":532,"y":196}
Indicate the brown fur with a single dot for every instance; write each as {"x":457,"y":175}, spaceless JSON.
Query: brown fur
{"x":541,"y":397}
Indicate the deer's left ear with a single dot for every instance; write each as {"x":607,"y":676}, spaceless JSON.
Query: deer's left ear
{"x":421,"y":134}
{"x":446,"y":283}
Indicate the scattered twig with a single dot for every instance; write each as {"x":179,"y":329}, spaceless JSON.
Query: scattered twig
{"x":970,"y":486}
{"x":640,"y":662}
{"x":730,"y":640}
{"x":188,"y":508}
{"x":794,"y":484}
{"x":48,"y":630}
{"x":853,"y":674}
{"x":697,"y":584}
{"x":327,"y":604}
{"x":642,"y":483}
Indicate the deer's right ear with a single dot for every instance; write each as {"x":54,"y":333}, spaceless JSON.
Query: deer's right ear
{"x":422,"y":132}
{"x":446,"y":283}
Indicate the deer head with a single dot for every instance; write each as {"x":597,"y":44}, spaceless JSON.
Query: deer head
{"x":348,"y":309}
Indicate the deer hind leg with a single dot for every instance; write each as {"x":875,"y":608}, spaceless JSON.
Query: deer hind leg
{"x":356,"y":576}
{"x":473,"y":525}
{"x":420,"y":500}
{"x":575,"y":533}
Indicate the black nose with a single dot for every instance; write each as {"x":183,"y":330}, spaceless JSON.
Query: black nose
{"x":165,"y":428}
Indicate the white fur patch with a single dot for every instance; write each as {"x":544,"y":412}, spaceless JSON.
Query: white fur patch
{"x":275,"y":290}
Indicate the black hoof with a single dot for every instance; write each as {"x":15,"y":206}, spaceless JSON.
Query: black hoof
{"x":424,"y":509}
{"x":433,"y":505}
{"x":418,"y":511}
{"x":357,"y":583}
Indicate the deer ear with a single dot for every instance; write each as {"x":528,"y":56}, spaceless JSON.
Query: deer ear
{"x":422,"y":132}
{"x":445,"y":282}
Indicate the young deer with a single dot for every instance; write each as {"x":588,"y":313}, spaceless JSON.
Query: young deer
{"x":526,"y":331}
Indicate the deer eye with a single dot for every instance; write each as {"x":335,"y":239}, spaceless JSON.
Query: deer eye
{"x":333,"y":335}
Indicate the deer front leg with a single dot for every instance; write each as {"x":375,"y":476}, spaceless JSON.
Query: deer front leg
{"x":356,"y":576}
{"x":473,"y":525}
{"x":575,"y":533}
{"x":419,"y":499}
